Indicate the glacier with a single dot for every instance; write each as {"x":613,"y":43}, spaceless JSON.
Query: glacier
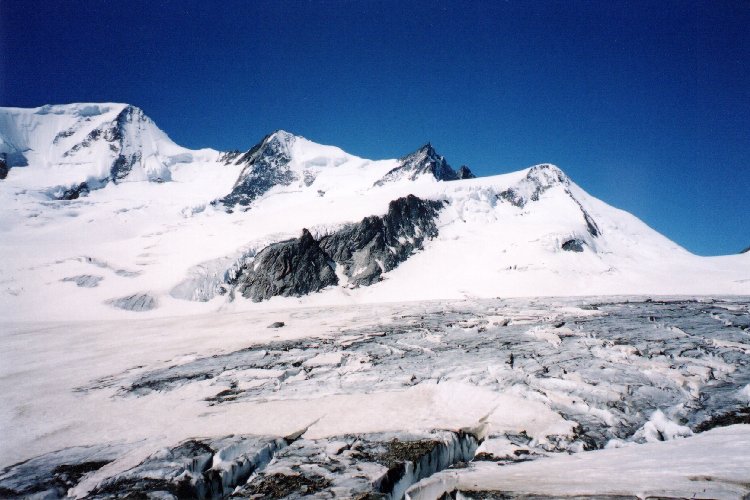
{"x":296,"y":321}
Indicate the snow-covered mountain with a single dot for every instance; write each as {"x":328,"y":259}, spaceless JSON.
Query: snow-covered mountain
{"x":203,"y":377}
{"x":75,"y":148}
{"x":102,"y":215}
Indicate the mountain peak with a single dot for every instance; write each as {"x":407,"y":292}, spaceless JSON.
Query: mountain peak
{"x":547,"y":175}
{"x":424,"y":160}
{"x":427,"y":148}
{"x":85,"y":146}
{"x":538,"y":180}
{"x":265,"y":165}
{"x":282,"y":136}
{"x":465,"y":173}
{"x":424,"y":153}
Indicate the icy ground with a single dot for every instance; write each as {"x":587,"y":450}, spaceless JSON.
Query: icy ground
{"x":370,"y":399}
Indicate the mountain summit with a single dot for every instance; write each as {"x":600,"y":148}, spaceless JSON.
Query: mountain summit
{"x":265,"y":165}
{"x":424,"y":161}
{"x":86,"y":146}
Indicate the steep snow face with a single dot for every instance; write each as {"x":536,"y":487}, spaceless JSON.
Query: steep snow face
{"x":424,"y":161}
{"x":67,"y":145}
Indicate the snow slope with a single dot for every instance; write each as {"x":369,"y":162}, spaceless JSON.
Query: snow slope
{"x":134,"y":246}
{"x":65,"y":145}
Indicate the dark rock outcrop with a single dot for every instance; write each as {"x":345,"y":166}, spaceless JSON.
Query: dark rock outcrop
{"x":138,"y":302}
{"x":377,"y":245}
{"x":364,"y":251}
{"x":290,"y":268}
{"x":423,"y":161}
{"x":465,"y":173}
{"x":266,"y":166}
{"x":573,"y":245}
{"x":11,"y":159}
{"x":591,"y":225}
{"x":74,"y":192}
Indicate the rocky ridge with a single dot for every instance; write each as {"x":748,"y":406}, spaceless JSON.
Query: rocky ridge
{"x":265,"y":165}
{"x":363,"y":251}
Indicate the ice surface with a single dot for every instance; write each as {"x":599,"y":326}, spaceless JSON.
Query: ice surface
{"x":539,"y":377}
{"x":710,"y":465}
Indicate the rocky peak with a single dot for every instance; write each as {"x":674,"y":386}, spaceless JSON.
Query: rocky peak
{"x":423,"y":161}
{"x":427,"y":160}
{"x":465,"y":173}
{"x":266,"y":166}
{"x":274,"y":145}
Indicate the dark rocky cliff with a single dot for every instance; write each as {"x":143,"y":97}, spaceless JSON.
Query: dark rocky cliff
{"x":364,"y":251}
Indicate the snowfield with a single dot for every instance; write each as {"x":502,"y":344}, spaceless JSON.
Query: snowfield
{"x":524,"y":379}
{"x":430,"y":334}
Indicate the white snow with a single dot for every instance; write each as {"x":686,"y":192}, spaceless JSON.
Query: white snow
{"x":660,"y":428}
{"x":710,"y":465}
{"x":65,"y":350}
{"x":179,"y":246}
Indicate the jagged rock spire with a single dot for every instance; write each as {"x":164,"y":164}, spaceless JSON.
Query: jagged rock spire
{"x":266,"y":165}
{"x":423,"y":161}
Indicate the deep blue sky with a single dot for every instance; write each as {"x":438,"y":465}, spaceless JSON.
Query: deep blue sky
{"x":645,"y":104}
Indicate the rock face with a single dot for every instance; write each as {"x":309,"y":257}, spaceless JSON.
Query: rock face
{"x":465,"y":173}
{"x":574,"y":245}
{"x":266,"y":165}
{"x":364,"y":251}
{"x":423,"y":161}
{"x":290,"y":268}
{"x":74,"y":192}
{"x":3,"y":168}
{"x":378,"y":244}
